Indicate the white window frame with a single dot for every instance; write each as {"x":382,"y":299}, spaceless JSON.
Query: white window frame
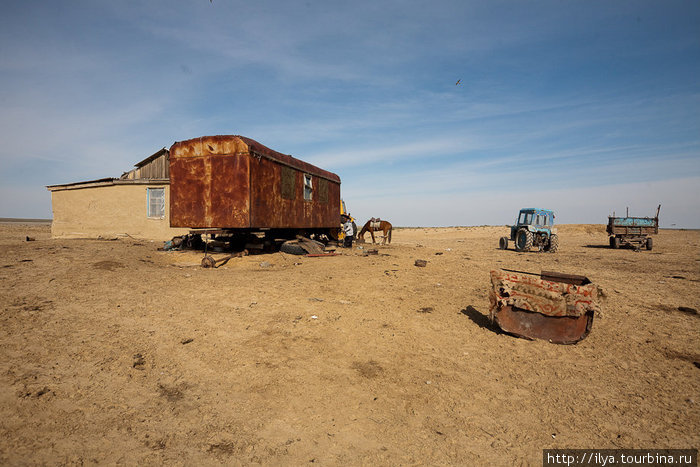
{"x":308,"y":187}
{"x":155,"y":203}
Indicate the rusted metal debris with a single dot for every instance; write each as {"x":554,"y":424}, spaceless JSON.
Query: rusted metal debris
{"x":421,"y":263}
{"x":312,"y":247}
{"x":555,"y":307}
{"x":209,"y":261}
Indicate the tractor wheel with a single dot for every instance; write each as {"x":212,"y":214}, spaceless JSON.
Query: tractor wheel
{"x":523,"y":240}
{"x":614,"y":243}
{"x":503,"y":243}
{"x":553,"y":243}
{"x":650,"y":243}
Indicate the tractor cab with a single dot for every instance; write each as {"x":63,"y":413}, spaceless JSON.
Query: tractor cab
{"x":536,"y":218}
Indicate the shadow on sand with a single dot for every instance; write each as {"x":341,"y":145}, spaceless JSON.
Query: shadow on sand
{"x":607,"y":247}
{"x":480,"y":319}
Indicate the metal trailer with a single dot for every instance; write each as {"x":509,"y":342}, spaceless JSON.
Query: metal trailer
{"x":230,"y":185}
{"x":633,"y":231}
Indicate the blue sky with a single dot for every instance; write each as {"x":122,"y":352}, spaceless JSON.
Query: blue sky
{"x":584,"y":107}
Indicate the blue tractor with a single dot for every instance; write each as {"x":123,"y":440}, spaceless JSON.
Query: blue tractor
{"x":534,"y":228}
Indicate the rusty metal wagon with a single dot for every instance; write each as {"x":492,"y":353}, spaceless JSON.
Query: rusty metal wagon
{"x":232,"y":186}
{"x":633,"y":231}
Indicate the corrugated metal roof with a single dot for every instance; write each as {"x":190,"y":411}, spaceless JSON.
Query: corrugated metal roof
{"x":106,"y":182}
{"x":99,"y":180}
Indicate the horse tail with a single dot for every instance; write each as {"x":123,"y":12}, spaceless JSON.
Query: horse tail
{"x":391,"y":228}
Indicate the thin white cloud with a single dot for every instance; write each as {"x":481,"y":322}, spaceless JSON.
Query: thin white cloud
{"x":465,"y":177}
{"x":362,"y":154}
{"x":581,"y":204}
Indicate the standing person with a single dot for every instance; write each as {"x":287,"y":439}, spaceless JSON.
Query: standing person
{"x":349,"y":232}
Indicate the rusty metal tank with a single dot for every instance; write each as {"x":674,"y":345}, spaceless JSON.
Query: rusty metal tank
{"x":234,"y":182}
{"x":555,"y":307}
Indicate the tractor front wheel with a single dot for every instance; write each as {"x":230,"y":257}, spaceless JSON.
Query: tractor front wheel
{"x":523,"y":241}
{"x":614,"y":243}
{"x":553,"y":243}
{"x":503,"y":243}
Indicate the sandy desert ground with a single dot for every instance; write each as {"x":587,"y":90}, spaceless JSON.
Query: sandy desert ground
{"x":115,"y":353}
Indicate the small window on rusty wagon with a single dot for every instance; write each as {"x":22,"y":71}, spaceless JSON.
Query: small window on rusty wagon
{"x":322,"y":190}
{"x":155,"y":202}
{"x":287,"y":179}
{"x":308,"y":187}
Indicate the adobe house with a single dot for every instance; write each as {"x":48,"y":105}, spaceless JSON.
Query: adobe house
{"x":135,"y":204}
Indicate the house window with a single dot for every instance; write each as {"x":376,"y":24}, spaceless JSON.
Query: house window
{"x":308,"y":187}
{"x":155,"y":199}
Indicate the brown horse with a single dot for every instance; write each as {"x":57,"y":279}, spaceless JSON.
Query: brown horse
{"x":375,"y":225}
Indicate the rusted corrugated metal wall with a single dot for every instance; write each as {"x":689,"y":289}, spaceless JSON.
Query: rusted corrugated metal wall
{"x":271,"y":209}
{"x":235,"y":182}
{"x":209,"y":183}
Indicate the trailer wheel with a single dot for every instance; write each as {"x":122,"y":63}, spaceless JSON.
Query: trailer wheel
{"x":503,"y":243}
{"x":523,"y":240}
{"x":334,"y":234}
{"x":553,"y":243}
{"x":614,"y":243}
{"x":292,"y":248}
{"x":650,"y":243}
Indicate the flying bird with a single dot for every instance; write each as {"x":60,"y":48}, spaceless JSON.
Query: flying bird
{"x":458,"y":81}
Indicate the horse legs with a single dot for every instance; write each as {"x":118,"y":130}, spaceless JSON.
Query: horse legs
{"x":371,"y":232}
